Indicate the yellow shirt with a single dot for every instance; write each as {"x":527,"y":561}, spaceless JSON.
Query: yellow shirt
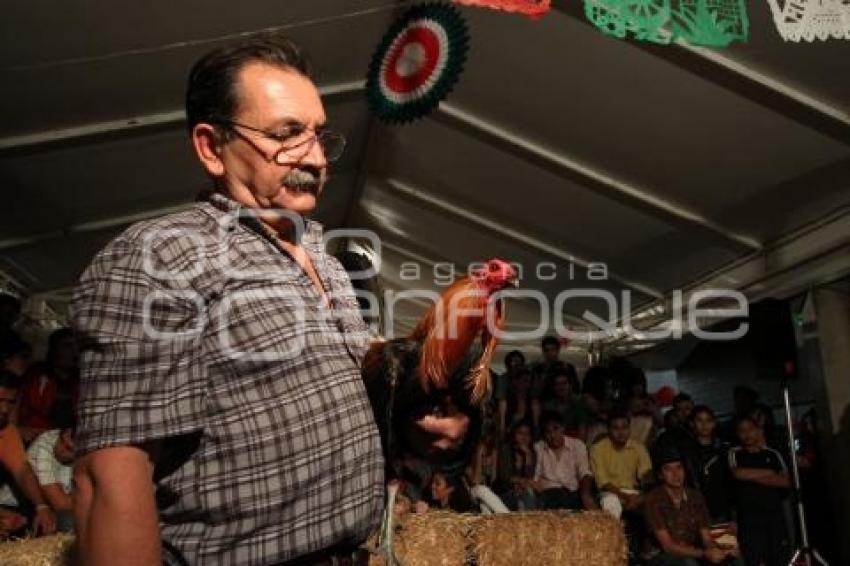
{"x":621,"y":468}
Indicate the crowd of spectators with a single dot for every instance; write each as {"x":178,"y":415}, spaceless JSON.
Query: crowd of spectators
{"x":37,"y":423}
{"x":689,"y":489}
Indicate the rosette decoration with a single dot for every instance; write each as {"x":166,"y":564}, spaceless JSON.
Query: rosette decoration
{"x":417,"y":63}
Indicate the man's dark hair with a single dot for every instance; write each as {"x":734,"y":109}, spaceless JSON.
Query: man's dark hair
{"x":62,"y":417}
{"x":550,"y":341}
{"x":9,"y":380}
{"x":681,"y":398}
{"x":550,"y":417}
{"x":211,"y":94}
{"x":700,"y":409}
{"x":750,"y":418}
{"x":668,"y":455}
{"x":13,"y":345}
{"x":53,"y":342}
{"x":566,"y":370}
{"x":619,"y":413}
{"x":513,"y":354}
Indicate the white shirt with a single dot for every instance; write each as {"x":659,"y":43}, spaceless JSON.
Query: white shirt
{"x":47,"y":468}
{"x":563,"y":468}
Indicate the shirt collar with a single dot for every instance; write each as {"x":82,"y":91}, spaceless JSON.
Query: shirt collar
{"x":313,"y":230}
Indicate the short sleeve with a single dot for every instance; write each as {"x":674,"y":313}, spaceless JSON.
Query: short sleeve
{"x":644,"y":461}
{"x":44,"y":463}
{"x":538,"y":460}
{"x":597,"y":464}
{"x":653,"y":514}
{"x":582,"y":464}
{"x":138,"y":323}
{"x":703,"y":518}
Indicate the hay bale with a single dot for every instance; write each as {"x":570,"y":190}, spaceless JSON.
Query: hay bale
{"x":55,"y":550}
{"x":511,"y":539}
{"x":435,"y":538}
{"x":549,"y":537}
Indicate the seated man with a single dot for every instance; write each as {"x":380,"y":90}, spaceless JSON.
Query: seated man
{"x":562,"y":474}
{"x":13,"y":459}
{"x":51,"y":455}
{"x":678,"y":518}
{"x":621,"y":466}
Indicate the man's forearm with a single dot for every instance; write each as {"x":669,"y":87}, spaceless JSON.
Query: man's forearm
{"x":684,"y":550}
{"x":26,"y":480}
{"x":115,"y":509}
{"x":774,"y":479}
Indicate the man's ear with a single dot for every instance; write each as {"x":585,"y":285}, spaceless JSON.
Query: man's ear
{"x":207,"y":144}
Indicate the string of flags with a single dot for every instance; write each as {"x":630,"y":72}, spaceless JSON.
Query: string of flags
{"x":714,"y":23}
{"x":421,"y":57}
{"x":812,"y":19}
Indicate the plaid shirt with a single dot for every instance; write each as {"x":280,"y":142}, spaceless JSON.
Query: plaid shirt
{"x":195,"y":328}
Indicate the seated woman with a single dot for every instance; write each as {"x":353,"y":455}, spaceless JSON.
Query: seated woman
{"x":450,"y":493}
{"x":516,"y":469}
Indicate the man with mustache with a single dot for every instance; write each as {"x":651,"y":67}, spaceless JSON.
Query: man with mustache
{"x":222,"y":418}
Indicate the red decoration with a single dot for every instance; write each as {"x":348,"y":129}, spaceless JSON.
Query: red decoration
{"x":664,"y":396}
{"x":531,"y":8}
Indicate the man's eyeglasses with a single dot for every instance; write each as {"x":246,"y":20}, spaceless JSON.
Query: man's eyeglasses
{"x":292,"y":139}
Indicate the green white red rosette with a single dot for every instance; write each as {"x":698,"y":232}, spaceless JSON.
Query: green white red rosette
{"x":417,"y":63}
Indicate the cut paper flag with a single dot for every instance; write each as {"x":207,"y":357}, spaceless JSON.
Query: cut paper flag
{"x":417,"y":63}
{"x":811,"y":19}
{"x":531,"y":8}
{"x":713,"y":23}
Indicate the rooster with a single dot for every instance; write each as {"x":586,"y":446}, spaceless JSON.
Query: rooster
{"x":442,"y":368}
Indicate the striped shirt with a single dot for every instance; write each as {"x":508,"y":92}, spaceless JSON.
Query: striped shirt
{"x":196,"y":329}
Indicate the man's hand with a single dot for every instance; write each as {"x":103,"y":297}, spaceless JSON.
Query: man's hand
{"x":714,"y":555}
{"x":749,"y":474}
{"x":45,"y":521}
{"x":632,"y":501}
{"x":10,"y":522}
{"x":444,"y":433}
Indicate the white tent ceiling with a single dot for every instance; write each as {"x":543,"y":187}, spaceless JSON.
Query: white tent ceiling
{"x":677,"y":167}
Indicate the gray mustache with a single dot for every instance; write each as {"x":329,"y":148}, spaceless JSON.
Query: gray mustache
{"x":303,"y":180}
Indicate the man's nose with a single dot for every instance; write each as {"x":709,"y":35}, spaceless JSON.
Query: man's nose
{"x":315,"y":155}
